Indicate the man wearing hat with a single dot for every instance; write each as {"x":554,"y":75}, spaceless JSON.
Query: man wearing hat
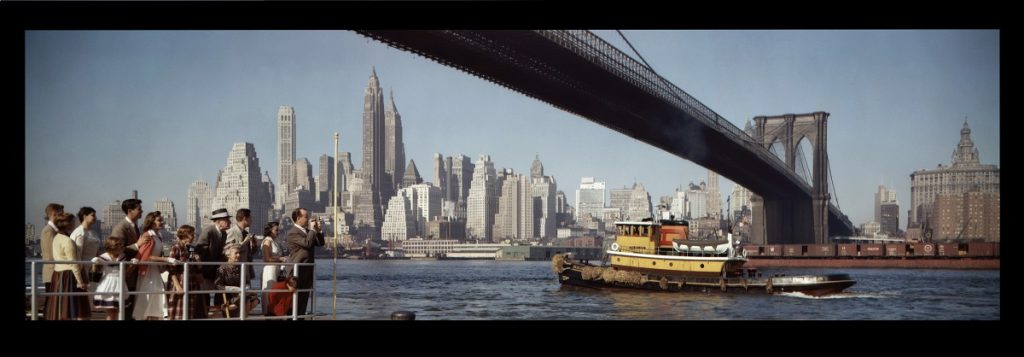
{"x":210,"y":246}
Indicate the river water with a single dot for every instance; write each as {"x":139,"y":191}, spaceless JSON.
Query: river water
{"x":508,"y":290}
{"x":517,"y":290}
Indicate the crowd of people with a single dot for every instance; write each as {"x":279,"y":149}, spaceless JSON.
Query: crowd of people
{"x":161,"y":286}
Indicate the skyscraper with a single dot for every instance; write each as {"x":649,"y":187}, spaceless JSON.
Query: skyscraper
{"x":462,"y":174}
{"x":639,"y":206}
{"x":412,"y":175}
{"x":965,"y":175}
{"x":394,"y":150}
{"x":543,"y":189}
{"x":590,"y":198}
{"x":198,"y":204}
{"x":441,"y":174}
{"x":345,"y":175}
{"x":481,"y":202}
{"x":325,"y":180}
{"x":514,"y":216}
{"x":166,"y":208}
{"x":112,"y":215}
{"x":240,"y":184}
{"x":714,"y":197}
{"x":285,"y":152}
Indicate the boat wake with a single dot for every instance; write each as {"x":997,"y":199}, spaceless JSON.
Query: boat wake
{"x":842,"y":295}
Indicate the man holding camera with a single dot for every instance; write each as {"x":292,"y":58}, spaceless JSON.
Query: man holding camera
{"x":302,"y":239}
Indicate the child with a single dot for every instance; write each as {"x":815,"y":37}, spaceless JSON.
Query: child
{"x":176,"y":303}
{"x":112,"y":281}
{"x":280,"y":302}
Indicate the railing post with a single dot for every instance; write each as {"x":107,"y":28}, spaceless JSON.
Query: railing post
{"x":241,"y":296}
{"x":122,"y":286}
{"x":35,"y":309}
{"x":184,"y":305}
{"x":295,"y":294}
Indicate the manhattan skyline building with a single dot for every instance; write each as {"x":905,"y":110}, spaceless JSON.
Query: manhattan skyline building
{"x":590,"y":198}
{"x":285,"y":152}
{"x":199,"y":204}
{"x":166,"y":208}
{"x":394,"y":149}
{"x":966,"y":174}
{"x":240,"y":185}
{"x":482,"y":201}
{"x":316,"y":73}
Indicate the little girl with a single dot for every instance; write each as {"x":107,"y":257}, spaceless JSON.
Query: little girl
{"x":112,"y":281}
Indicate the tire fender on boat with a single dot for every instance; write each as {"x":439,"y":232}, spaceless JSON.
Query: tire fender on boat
{"x":615,"y":247}
{"x":768,"y":287}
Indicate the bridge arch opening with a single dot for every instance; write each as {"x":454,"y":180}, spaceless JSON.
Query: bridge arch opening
{"x":804,"y":160}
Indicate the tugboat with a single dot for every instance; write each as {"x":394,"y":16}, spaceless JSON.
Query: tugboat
{"x":659,"y":256}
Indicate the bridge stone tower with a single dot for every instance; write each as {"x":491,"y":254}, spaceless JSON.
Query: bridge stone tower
{"x":794,"y":220}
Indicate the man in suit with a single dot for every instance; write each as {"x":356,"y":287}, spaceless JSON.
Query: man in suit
{"x":210,"y":246}
{"x":128,"y":232}
{"x":53,"y":211}
{"x":302,"y":239}
{"x":239,"y":234}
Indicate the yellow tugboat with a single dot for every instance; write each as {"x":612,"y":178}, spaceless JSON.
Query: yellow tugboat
{"x":659,"y":256}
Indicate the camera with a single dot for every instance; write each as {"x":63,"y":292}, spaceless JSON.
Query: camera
{"x":191,"y":251}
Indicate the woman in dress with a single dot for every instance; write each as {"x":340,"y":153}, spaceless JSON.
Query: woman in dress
{"x":229,"y":277}
{"x":151,"y":306}
{"x":67,"y":277}
{"x":271,"y":253}
{"x":176,"y":280}
{"x":112,"y":281}
{"x":85,"y":239}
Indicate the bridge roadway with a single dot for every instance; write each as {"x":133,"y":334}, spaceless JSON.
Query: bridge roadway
{"x":578,"y":72}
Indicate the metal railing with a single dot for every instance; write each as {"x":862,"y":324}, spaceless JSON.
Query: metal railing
{"x":34,"y":293}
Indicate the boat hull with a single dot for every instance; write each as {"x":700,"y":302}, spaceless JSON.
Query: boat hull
{"x":585,"y":275}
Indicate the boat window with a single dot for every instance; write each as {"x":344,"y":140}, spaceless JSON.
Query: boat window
{"x":643,"y":231}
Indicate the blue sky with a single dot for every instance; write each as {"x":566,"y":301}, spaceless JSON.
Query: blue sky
{"x":112,"y":111}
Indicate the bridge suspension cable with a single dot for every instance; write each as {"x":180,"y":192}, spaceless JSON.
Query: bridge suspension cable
{"x":832,"y":187}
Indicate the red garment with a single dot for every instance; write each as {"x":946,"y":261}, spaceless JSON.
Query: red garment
{"x":144,"y":251}
{"x":280,"y":303}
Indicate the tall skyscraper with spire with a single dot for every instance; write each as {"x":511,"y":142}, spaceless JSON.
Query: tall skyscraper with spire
{"x":285,"y":152}
{"x":394,"y":148}
{"x":383,"y":157}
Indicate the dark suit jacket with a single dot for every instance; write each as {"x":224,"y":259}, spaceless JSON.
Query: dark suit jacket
{"x":210,"y":246}
{"x":126,"y":232}
{"x":301,"y":245}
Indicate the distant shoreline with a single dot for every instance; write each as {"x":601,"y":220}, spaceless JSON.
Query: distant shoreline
{"x":913,"y":263}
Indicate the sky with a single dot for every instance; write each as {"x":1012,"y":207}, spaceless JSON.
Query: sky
{"x":108,"y":112}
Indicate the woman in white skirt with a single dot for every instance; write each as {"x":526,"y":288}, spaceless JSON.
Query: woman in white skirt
{"x":151,"y":306}
{"x":271,"y":253}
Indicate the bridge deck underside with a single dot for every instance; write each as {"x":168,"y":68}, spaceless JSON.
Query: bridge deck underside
{"x":529,"y":63}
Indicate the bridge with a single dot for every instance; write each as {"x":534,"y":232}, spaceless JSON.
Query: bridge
{"x":581,"y":73}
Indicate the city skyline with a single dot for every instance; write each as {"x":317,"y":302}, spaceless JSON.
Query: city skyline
{"x":190,"y":95}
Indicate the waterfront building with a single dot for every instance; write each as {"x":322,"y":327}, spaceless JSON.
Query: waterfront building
{"x":966,"y":174}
